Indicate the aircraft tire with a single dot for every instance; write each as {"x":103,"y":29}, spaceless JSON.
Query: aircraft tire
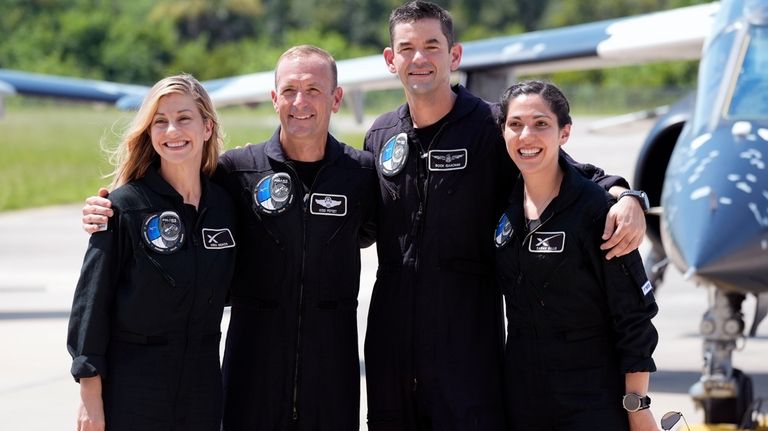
{"x":730,"y":410}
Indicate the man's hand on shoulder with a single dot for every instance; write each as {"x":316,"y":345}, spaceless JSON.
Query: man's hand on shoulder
{"x":96,"y":212}
{"x":624,"y":228}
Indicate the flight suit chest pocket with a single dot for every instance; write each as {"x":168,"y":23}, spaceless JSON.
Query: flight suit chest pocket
{"x":271,"y":198}
{"x":448,"y":167}
{"x":332,"y":213}
{"x":163,"y":248}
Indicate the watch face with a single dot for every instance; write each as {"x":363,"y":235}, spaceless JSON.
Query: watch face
{"x":631,"y":402}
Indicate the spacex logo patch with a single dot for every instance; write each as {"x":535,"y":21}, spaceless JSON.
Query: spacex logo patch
{"x":447,"y":160}
{"x":214,"y":239}
{"x":547,"y":242}
{"x":328,"y":205}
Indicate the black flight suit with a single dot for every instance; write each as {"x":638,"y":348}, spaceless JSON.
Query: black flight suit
{"x":435,"y":336}
{"x":146,"y":316}
{"x":577,"y":322}
{"x":291,"y":359}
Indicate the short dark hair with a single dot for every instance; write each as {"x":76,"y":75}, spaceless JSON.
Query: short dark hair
{"x":418,"y":10}
{"x":302,"y":51}
{"x":548,"y":91}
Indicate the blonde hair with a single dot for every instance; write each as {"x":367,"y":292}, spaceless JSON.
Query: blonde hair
{"x":135,"y":154}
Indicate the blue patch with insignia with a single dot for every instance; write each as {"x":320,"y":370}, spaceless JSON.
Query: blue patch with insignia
{"x":274,"y":193}
{"x":394,"y":155}
{"x":503,"y":231}
{"x":163,"y":232}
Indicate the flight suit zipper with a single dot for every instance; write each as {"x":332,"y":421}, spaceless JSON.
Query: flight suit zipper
{"x":422,"y":189}
{"x":297,"y":357}
{"x":539,"y":292}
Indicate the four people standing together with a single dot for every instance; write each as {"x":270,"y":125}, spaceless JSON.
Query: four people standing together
{"x":429,"y":190}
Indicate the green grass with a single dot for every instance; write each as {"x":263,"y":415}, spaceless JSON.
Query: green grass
{"x":51,"y":153}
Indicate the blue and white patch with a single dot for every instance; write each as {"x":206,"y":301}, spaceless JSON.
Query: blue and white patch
{"x":274,"y":193}
{"x":447,"y":160}
{"x":547,"y":242}
{"x":393,"y":155}
{"x":163,"y":232}
{"x":215,"y":239}
{"x":503,"y":232}
{"x":647,"y":288}
{"x":327,"y":204}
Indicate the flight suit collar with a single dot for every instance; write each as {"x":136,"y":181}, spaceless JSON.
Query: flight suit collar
{"x":157,"y":184}
{"x":273,"y":149}
{"x":465,"y":103}
{"x":570,"y":190}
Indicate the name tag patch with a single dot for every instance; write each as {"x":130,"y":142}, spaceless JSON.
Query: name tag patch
{"x":214,"y":239}
{"x":328,"y":205}
{"x":647,"y":288}
{"x":547,"y":242}
{"x":447,"y":160}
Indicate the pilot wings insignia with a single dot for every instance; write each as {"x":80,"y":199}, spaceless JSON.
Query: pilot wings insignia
{"x":328,"y":202}
{"x":448,"y":158}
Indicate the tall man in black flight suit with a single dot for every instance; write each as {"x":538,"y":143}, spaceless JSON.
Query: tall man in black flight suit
{"x":305,"y":203}
{"x":434,"y":341}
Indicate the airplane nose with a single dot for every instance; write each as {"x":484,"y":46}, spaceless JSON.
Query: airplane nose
{"x":715,"y":221}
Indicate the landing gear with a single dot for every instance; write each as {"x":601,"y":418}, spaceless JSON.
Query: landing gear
{"x":724,"y":392}
{"x":655,"y":265}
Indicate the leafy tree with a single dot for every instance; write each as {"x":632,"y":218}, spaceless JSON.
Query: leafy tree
{"x":217,"y":21}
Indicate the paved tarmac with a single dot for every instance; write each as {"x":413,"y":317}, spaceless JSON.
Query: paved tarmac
{"x":41,"y":252}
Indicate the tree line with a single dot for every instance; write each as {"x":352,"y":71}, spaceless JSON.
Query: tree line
{"x":138,"y":41}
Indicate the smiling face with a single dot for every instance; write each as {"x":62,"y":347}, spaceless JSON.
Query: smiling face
{"x":532,"y":134}
{"x":304,"y":98}
{"x":420,"y":56}
{"x":178,"y":131}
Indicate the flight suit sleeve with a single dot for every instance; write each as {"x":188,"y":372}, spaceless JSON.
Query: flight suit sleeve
{"x":91,"y":317}
{"x":631,"y":304}
{"x":596,"y":174}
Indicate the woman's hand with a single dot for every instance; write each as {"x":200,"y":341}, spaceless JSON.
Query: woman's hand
{"x":90,"y":412}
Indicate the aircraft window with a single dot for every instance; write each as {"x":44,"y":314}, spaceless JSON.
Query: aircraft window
{"x":711,"y":73}
{"x":750,"y":94}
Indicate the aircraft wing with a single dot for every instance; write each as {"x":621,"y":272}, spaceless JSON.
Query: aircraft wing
{"x":35,"y":84}
{"x":676,"y":34}
{"x":673,"y":34}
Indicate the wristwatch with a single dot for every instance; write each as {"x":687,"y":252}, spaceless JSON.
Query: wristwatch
{"x":641,"y":197}
{"x":633,"y":402}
